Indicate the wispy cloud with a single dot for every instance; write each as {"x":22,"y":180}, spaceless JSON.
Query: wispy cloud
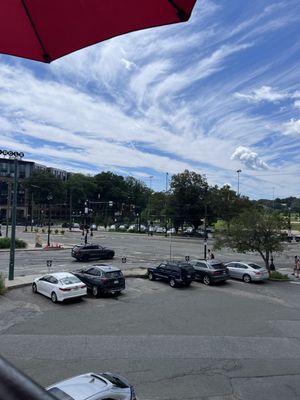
{"x":208,"y":95}
{"x":264,"y":93}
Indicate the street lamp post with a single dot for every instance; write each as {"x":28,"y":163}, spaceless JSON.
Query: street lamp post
{"x":49,"y":198}
{"x":85,"y":230}
{"x":32,"y":206}
{"x":205,"y":231}
{"x":238,"y":186}
{"x":15,"y":155}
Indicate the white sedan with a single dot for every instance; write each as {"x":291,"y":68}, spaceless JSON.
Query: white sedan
{"x":59,"y":286}
{"x":248,"y":272}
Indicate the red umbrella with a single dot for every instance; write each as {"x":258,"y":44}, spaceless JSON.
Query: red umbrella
{"x":45,"y":30}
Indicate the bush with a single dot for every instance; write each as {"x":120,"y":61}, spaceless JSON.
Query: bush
{"x":279,"y":276}
{"x":56,"y":231}
{"x":2,"y":284}
{"x":62,"y":232}
{"x":5,"y":243}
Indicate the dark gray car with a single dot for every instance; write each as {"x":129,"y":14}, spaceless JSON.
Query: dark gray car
{"x":210,"y":271}
{"x":92,"y":251}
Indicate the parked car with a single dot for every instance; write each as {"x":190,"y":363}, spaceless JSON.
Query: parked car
{"x":171,"y":231}
{"x":195,"y":233}
{"x":94,"y":227}
{"x":88,"y":251}
{"x":59,"y":286}
{"x":175,"y":273}
{"x":210,"y":271}
{"x":102,"y":278}
{"x":247,"y":271}
{"x":93,"y":386}
{"x":159,"y":229}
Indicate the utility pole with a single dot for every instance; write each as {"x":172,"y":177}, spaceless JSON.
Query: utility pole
{"x":15,"y":155}
{"x":238,"y":187}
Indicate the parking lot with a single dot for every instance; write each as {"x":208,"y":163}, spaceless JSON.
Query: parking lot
{"x":231,"y":341}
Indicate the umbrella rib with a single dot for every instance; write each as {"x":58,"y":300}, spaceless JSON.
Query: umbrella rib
{"x":181,"y":14}
{"x":45,"y":55}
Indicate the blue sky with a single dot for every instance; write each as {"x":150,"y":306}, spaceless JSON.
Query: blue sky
{"x":213,"y":95}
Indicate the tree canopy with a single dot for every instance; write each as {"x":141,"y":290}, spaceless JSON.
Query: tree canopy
{"x":254,"y":230}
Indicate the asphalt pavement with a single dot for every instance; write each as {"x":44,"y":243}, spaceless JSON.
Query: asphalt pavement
{"x":140,"y":251}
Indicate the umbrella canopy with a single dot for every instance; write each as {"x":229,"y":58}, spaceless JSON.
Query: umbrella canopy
{"x":45,"y":30}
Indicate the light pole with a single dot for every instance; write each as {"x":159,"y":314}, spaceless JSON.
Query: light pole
{"x":205,"y":230}
{"x":49,"y":198}
{"x":166,"y":203}
{"x":238,"y":186}
{"x":32,"y":206}
{"x":149,"y":203}
{"x":15,"y":156}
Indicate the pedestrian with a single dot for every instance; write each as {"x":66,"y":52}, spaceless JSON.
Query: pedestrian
{"x":295,"y":265}
{"x":298,"y":268}
{"x":210,"y":255}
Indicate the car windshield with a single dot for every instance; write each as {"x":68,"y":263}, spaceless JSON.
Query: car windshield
{"x":218,"y":266}
{"x":69,"y":280}
{"x":254,"y":266}
{"x":113,"y":274}
{"x":116,"y":381}
{"x":60,"y":394}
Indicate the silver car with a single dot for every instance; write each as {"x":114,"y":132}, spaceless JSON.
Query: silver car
{"x":93,"y":387}
{"x":247,"y":271}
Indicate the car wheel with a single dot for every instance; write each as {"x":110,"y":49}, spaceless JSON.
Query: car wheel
{"x":206,"y":280}
{"x":247,"y":278}
{"x":95,"y":291}
{"x":53,"y":297}
{"x":34,"y":288}
{"x":188,"y":283}
{"x":172,"y":282}
{"x":117,"y":293}
{"x":151,"y":276}
{"x":110,"y":256}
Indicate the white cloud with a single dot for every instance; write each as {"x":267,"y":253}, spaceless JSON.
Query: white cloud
{"x":264,"y":93}
{"x":292,"y":127}
{"x":249,"y":158}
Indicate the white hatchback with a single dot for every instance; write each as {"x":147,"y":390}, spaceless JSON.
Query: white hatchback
{"x":59,"y":286}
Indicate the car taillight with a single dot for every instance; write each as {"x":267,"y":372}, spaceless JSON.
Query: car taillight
{"x":103,"y":279}
{"x":64,"y":289}
{"x":257,"y":273}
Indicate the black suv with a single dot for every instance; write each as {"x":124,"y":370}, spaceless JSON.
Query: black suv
{"x":87,"y":251}
{"x":175,"y":273}
{"x":210,"y":271}
{"x":102,"y":278}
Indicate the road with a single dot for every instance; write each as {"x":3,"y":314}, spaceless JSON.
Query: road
{"x":139,"y":250}
{"x":234,"y":341}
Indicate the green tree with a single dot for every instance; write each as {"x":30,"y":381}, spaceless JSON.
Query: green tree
{"x":42,"y":184}
{"x":189,"y":197}
{"x":81,"y":188}
{"x":254,"y":230}
{"x":226,"y":204}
